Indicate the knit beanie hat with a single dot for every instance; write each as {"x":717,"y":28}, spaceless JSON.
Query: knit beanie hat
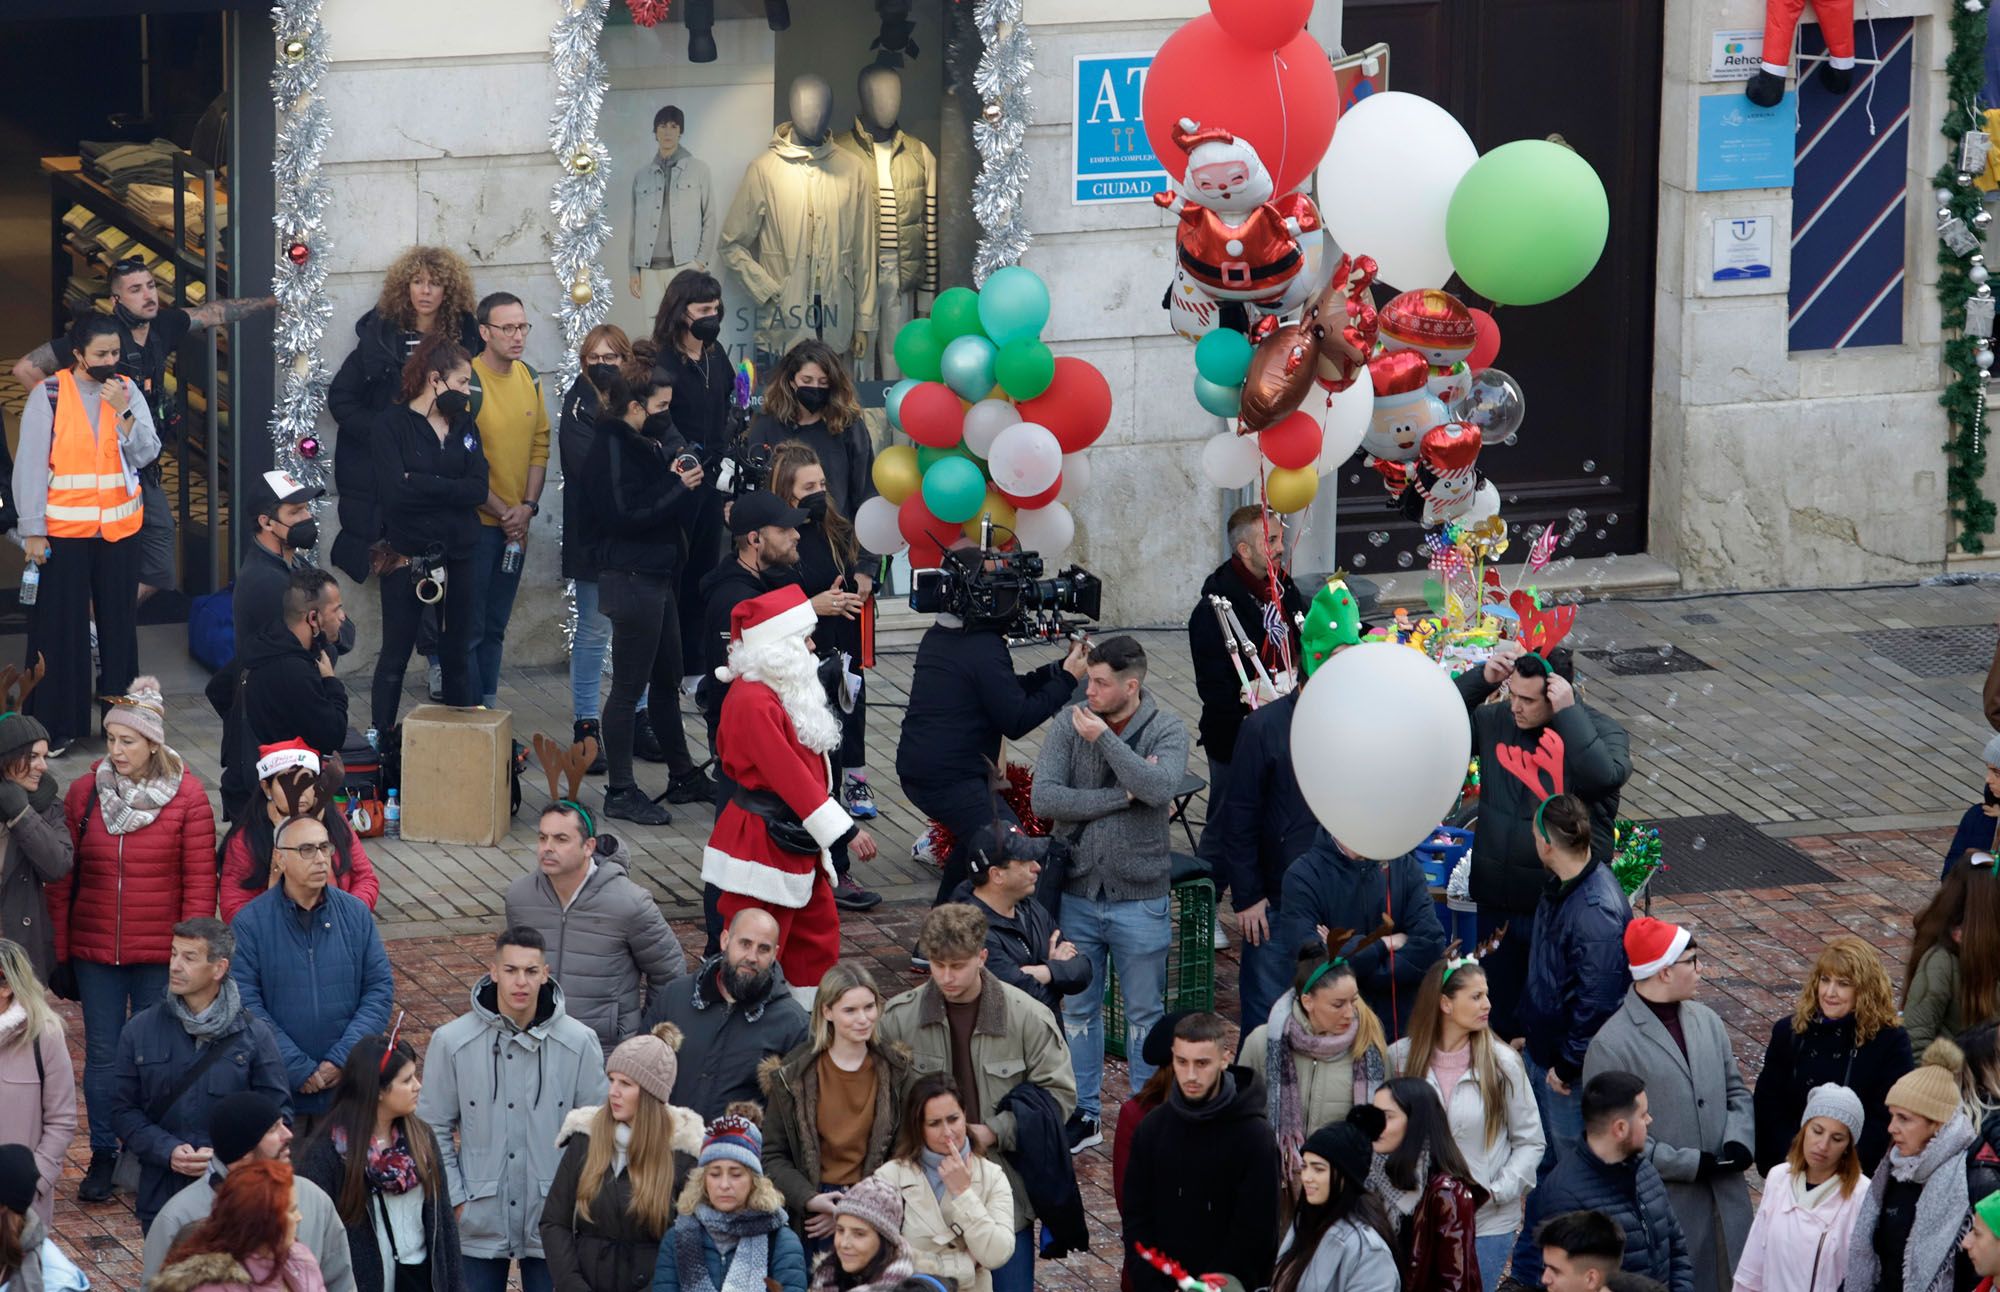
{"x":1652,"y":945}
{"x":733,"y":1137}
{"x":649,"y":1060}
{"x":237,"y":1122}
{"x":19,"y":732}
{"x":1993,"y":752}
{"x":1158,"y":1049}
{"x":876,"y":1201}
{"x":1837,"y":1102}
{"x":1988,"y":1211}
{"x":19,"y":1178}
{"x":1349,"y":1146}
{"x":142,"y":709}
{"x":1930,"y":1090}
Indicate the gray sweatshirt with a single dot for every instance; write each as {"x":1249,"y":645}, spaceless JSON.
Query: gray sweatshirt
{"x":1111,"y":797}
{"x":38,"y":421}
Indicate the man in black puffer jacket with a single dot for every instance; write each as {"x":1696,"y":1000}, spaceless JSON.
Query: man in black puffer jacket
{"x":1610,"y":1174}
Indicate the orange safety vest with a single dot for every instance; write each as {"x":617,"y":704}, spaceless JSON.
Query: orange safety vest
{"x":90,"y":493}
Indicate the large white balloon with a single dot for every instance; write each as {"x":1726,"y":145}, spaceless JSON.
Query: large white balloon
{"x":1025,"y":460}
{"x":1380,"y":743}
{"x":1048,"y":530}
{"x":1230,"y":460}
{"x":875,"y":525}
{"x":1345,"y":421}
{"x":984,"y":421}
{"x":1393,"y":164}
{"x":1075,"y":476}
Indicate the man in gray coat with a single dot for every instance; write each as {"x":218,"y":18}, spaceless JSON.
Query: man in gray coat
{"x":606,"y":937}
{"x":733,"y":1012}
{"x":1107,"y":777}
{"x":498,"y":1081}
{"x":1702,"y":1130}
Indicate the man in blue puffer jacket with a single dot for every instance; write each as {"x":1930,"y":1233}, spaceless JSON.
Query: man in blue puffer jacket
{"x":1331,"y":886}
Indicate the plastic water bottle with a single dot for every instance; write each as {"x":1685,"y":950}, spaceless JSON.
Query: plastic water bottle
{"x":31,"y":584}
{"x":510,"y":559}
{"x":375,"y":740}
{"x":392,"y":817}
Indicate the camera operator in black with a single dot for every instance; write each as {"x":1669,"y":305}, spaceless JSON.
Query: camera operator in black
{"x":644,"y":485}
{"x":965,"y":698}
{"x":431,"y":473}
{"x":697,"y":367}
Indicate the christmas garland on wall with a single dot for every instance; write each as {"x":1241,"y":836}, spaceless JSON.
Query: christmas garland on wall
{"x":578,"y":201}
{"x":1964,"y":295}
{"x":298,"y":276}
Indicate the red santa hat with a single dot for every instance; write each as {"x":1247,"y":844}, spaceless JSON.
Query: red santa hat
{"x":1454,"y":446}
{"x":1652,"y":945}
{"x":1400,"y":372}
{"x":1188,"y":135}
{"x":772,"y":617}
{"x":272,"y":759}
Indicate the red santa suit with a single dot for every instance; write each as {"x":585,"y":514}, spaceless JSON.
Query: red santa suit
{"x":779,"y":773}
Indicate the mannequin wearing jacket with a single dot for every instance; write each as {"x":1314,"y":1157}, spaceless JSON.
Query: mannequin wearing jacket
{"x":801,"y":232}
{"x":905,"y":172}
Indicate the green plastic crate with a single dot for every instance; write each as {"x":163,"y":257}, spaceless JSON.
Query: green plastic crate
{"x":1190,"y":961}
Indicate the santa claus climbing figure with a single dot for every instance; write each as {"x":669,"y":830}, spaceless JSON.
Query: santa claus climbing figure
{"x":771,"y":844}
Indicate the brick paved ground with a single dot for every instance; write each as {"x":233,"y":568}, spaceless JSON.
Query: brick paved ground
{"x":1860,"y":763}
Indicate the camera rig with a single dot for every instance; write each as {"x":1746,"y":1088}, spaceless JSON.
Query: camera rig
{"x":1006,"y":591}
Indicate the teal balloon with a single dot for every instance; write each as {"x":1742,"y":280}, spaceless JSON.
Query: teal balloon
{"x":968,"y":367}
{"x":1013,"y":303}
{"x":1527,"y":223}
{"x":1025,"y":368}
{"x":955,"y":313}
{"x":919,"y":352}
{"x":1223,"y":401}
{"x":954,"y":490}
{"x":928,"y":457}
{"x":892,"y":400}
{"x":1223,"y":357}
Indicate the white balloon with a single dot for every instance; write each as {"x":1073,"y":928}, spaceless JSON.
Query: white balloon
{"x":1380,"y":742}
{"x":1485,"y":505}
{"x":1048,"y":530}
{"x":1025,"y":460}
{"x":1075,"y":477}
{"x":984,"y":421}
{"x":875,"y":525}
{"x":1229,"y":460}
{"x":1345,"y":421}
{"x":1393,"y":164}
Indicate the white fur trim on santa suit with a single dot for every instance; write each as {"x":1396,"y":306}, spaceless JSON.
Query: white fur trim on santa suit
{"x":827,"y":822}
{"x":797,"y":621}
{"x":279,"y":760}
{"x":759,"y":880}
{"x":1675,"y":947}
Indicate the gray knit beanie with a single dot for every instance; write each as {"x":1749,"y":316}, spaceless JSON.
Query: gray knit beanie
{"x":1993,"y":752}
{"x":649,"y":1060}
{"x":1837,"y":1102}
{"x":877,"y":1202}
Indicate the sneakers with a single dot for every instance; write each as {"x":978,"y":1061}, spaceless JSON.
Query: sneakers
{"x":434,"y":676}
{"x":919,"y":962}
{"x":1082,"y":1133}
{"x":631,"y":804}
{"x":860,"y":799}
{"x":590,"y":728}
{"x":849,"y":895}
{"x":694,"y":786}
{"x":645,"y":741}
{"x":59,"y":746}
{"x":97,"y":1184}
{"x":1221,"y":939}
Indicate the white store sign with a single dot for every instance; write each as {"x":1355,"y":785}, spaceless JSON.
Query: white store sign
{"x":1734,"y":55}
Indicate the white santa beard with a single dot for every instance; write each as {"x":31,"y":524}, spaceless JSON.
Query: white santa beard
{"x":789,"y":669}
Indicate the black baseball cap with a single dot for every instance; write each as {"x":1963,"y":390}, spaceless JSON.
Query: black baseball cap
{"x":754,"y":511}
{"x":996,"y":844}
{"x":276,"y":488}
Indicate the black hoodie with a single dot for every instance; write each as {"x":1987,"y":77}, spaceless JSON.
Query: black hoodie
{"x":282,"y":697}
{"x":640,"y":508}
{"x":431,"y":487}
{"x":1202,"y":1185}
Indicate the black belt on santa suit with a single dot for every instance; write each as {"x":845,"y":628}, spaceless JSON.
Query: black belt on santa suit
{"x":1282,"y":265}
{"x":786,"y":829}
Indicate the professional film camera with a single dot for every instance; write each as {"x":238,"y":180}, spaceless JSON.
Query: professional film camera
{"x":1005,"y":592}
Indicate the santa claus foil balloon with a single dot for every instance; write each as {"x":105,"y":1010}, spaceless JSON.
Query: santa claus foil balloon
{"x":1238,"y":240}
{"x":1446,"y":475}
{"x":1436,"y":325}
{"x":1404,"y":407}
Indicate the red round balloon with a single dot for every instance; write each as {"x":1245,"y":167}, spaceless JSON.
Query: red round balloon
{"x":926,"y":534}
{"x":932,"y":415}
{"x":1264,"y":24}
{"x":1294,"y":442}
{"x":1281,"y":102}
{"x":1487,"y":348}
{"x":1029,"y":503}
{"x":1076,"y":406}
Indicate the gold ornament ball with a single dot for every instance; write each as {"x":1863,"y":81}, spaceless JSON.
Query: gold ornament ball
{"x":295,"y":49}
{"x":1289,"y":490}
{"x":992,"y":114}
{"x":583,"y":163}
{"x":580,"y":293}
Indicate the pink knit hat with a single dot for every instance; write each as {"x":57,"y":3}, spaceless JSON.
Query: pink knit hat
{"x":142,"y":709}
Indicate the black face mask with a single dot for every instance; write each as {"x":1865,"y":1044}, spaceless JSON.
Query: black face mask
{"x":127,"y":317}
{"x":600,"y":374}
{"x":812,"y":398}
{"x":101,"y":372}
{"x":454,"y":403}
{"x":707,"y":329}
{"x":304,"y":536}
{"x":814,"y":506}
{"x":657,"y":426}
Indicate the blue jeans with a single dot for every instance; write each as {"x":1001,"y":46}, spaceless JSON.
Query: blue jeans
{"x":1493,"y":1253}
{"x":1137,"y":935}
{"x":1018,"y":1274}
{"x":111,"y":994}
{"x":493,"y":592}
{"x":1562,"y":1117}
{"x":489,"y":1274}
{"x":1264,"y":974}
{"x":586,"y":654}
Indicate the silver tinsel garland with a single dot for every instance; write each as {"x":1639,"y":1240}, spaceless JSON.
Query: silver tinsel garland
{"x":301,"y":209}
{"x":1000,"y":135}
{"x":578,"y":201}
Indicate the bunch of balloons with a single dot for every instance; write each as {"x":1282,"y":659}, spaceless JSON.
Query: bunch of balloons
{"x":998,"y":423}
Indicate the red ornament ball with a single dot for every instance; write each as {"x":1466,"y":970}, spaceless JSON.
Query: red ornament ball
{"x":298,"y":253}
{"x":647,"y":13}
{"x":309,"y":447}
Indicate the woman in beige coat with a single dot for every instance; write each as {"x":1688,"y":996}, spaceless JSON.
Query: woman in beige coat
{"x":37,"y":1081}
{"x":958,"y":1210}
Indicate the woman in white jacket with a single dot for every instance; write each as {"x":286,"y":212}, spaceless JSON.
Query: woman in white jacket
{"x":1799,"y":1240}
{"x":958,"y":1210}
{"x":1487,"y":1097}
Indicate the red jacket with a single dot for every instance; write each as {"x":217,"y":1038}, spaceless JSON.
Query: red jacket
{"x":1440,"y":1238}
{"x":136,"y":887}
{"x":1130,"y":1114}
{"x":238,"y":861}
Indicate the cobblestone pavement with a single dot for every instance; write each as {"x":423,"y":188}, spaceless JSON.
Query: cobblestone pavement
{"x":1799,"y":724}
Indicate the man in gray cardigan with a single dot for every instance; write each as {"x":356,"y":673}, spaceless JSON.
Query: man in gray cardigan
{"x":1702,"y":1130}
{"x":1107,"y":778}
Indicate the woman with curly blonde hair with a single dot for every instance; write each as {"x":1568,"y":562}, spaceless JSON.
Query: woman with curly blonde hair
{"x":426,"y":290}
{"x":1843,"y":1032}
{"x":731,"y":1235}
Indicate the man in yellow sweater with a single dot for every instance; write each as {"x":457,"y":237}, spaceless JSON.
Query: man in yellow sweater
{"x":514,"y":429}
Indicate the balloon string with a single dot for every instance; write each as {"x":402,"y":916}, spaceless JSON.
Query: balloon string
{"x":1278,"y":67}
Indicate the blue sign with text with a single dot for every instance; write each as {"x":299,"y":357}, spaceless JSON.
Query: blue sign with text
{"x":1112,"y":160}
{"x":1741,"y":145}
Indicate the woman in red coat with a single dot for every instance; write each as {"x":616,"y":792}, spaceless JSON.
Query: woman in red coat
{"x":291,"y":774}
{"x":145,"y":861}
{"x":1428,"y":1190}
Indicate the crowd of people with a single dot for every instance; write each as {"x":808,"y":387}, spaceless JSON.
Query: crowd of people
{"x":1390,"y":1108}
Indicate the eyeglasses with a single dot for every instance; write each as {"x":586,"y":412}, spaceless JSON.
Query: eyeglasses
{"x":310,"y":851}
{"x":512,"y":329}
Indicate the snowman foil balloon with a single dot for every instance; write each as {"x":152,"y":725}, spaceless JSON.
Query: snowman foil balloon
{"x":1446,"y":480}
{"x":1404,"y":410}
{"x":1436,"y":325}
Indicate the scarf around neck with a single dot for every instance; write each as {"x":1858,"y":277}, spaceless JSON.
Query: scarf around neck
{"x":213,"y":1021}
{"x":389,"y":1170}
{"x":132,"y":805}
{"x":932,"y":1161}
{"x":1402,"y":1203}
{"x":1943,"y":1211}
{"x":1284,"y":1037}
{"x":745,"y":1269}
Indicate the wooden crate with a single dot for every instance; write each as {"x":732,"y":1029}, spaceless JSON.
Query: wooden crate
{"x":456,"y":786}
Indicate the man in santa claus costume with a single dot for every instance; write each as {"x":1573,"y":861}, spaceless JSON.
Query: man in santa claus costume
{"x":770,"y":846}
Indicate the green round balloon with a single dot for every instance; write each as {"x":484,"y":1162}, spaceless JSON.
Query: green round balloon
{"x":1025,"y":368}
{"x":954,"y":314}
{"x":1223,"y":357}
{"x":1222,"y":401}
{"x":954,"y":489}
{"x":919,"y":353}
{"x":1013,"y":303}
{"x":1527,"y":223}
{"x":928,"y":457}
